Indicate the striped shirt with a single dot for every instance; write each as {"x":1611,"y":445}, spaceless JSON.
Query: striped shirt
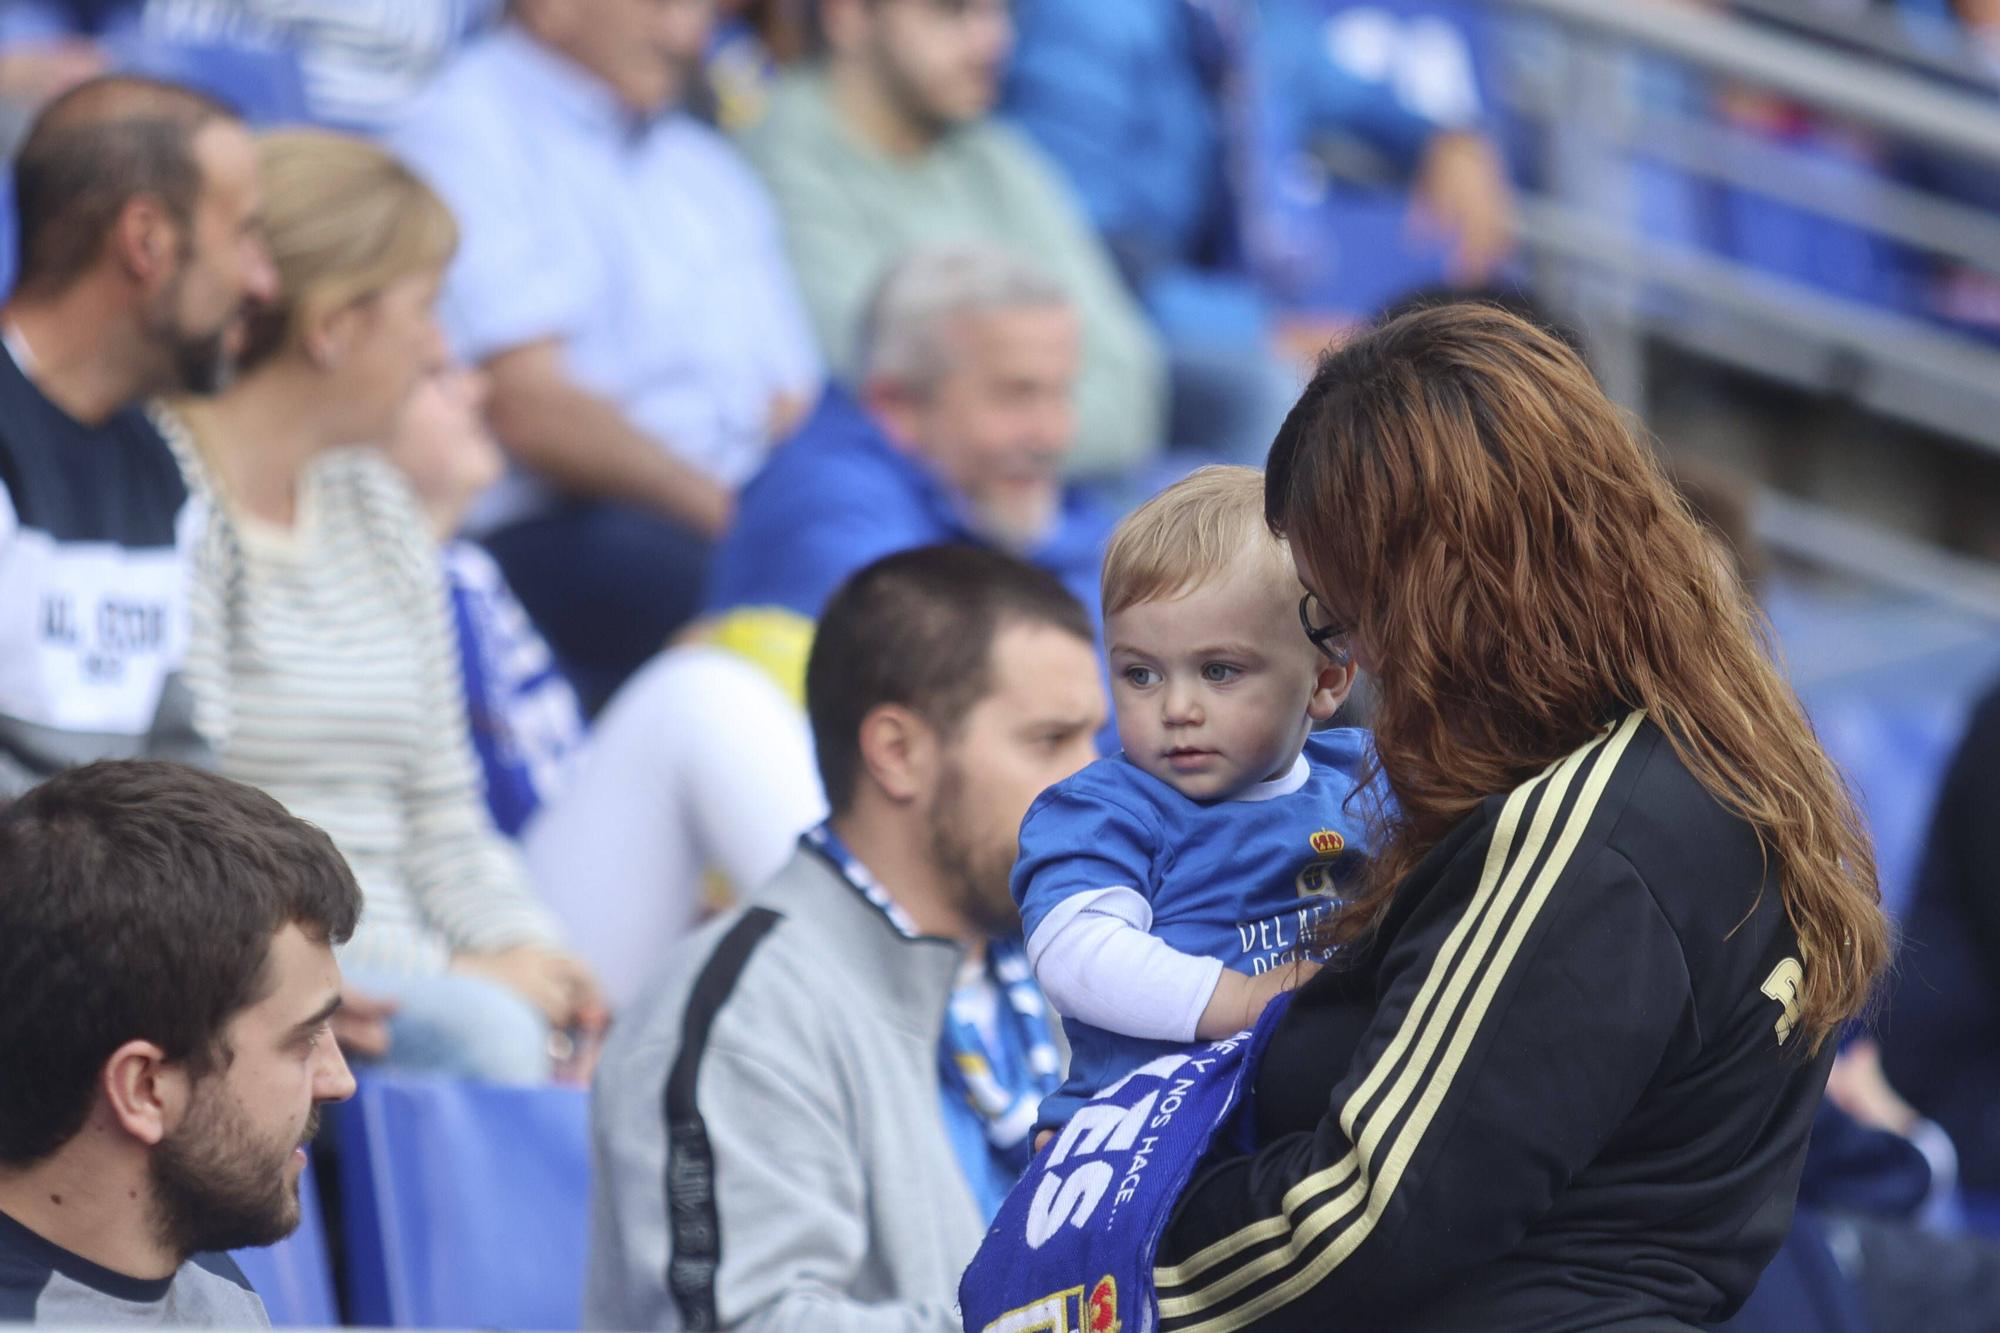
{"x":325,"y":672}
{"x":361,"y":60}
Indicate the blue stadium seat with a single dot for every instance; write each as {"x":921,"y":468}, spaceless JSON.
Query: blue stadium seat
{"x":293,"y":1276}
{"x":465,"y":1205}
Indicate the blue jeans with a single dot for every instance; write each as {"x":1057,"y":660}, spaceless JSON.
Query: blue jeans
{"x":461,"y":1025}
{"x":607,"y":586}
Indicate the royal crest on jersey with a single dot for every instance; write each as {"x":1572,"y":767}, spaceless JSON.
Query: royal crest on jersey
{"x":1316,"y":878}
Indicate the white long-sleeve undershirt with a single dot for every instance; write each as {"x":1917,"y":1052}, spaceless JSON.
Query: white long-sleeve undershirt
{"x":1096,"y":963}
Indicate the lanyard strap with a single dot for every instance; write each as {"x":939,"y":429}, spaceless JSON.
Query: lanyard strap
{"x":1005,"y":1080}
{"x":828,"y":844}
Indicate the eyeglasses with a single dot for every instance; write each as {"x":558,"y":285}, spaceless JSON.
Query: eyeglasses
{"x":1322,"y":636}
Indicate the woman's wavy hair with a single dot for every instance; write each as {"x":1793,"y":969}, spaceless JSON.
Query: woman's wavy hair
{"x":1480,"y":516}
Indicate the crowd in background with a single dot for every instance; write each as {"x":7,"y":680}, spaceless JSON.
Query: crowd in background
{"x":724,"y":373}
{"x":462,"y":445}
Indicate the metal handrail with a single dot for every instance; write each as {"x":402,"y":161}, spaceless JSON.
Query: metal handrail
{"x":1628,"y":283}
{"x":1895,"y":363}
{"x":1851,"y":86}
{"x":1887,"y":559}
{"x":1875,"y":32}
{"x":1940,"y":358}
{"x":1745,"y":161}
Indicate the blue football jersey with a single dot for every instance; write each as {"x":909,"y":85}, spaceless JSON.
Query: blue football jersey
{"x":1242,"y":880}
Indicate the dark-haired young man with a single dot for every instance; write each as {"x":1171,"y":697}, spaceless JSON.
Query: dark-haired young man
{"x":166,"y":954}
{"x":141,"y":253}
{"x":811,"y":1118}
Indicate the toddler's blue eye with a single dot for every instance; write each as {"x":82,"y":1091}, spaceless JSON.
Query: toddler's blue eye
{"x":1220,"y":673}
{"x":1141,"y":676}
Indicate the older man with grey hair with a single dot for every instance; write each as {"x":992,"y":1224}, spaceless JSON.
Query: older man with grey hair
{"x":955,"y":429}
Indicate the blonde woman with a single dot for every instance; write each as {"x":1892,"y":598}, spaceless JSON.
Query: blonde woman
{"x":322,"y":658}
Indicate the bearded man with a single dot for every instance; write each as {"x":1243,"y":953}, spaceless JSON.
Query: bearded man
{"x":811,"y":1118}
{"x":141,"y":259}
{"x":166,"y":950}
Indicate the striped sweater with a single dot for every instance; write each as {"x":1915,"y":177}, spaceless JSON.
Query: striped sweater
{"x":324,"y":671}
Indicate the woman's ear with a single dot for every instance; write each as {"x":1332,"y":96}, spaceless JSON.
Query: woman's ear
{"x":899,"y":752}
{"x":1330,"y":689}
{"x":330,"y":335}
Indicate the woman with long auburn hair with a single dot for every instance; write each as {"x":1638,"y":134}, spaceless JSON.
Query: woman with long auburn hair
{"x":1566,"y":1074}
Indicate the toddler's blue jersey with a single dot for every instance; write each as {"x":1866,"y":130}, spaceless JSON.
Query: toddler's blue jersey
{"x":1240,"y":880}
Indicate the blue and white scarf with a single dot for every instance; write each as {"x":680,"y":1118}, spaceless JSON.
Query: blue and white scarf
{"x":1001,"y":1082}
{"x":1073,"y":1247}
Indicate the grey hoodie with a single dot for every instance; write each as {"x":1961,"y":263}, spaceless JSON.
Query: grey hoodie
{"x":793,"y":1044}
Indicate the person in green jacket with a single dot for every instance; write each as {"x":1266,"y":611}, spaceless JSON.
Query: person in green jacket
{"x":886,"y":142}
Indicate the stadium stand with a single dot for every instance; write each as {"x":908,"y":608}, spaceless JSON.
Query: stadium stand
{"x":1797,"y":198}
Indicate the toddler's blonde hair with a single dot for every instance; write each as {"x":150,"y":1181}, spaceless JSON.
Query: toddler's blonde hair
{"x":1196,"y":529}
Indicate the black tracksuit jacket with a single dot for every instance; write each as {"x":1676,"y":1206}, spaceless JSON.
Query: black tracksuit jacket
{"x":1560,"y":1089}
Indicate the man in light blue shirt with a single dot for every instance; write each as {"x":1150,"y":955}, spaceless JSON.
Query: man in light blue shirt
{"x":621,"y":279}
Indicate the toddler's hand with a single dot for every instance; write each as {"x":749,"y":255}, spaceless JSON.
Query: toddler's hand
{"x":1277,"y":981}
{"x":1239,"y":999}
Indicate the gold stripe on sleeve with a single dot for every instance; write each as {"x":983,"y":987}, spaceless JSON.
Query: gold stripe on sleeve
{"x":1501,"y":880}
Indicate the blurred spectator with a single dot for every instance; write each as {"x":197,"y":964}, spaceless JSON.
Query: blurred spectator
{"x":623,"y":283}
{"x":1884,"y":1180}
{"x":886,"y":144}
{"x":165,"y":947}
{"x":27,"y":21}
{"x":1965,"y":296}
{"x":701,"y":768}
{"x":48,"y":47}
{"x":321,"y":649}
{"x":1941,"y":1038}
{"x":1128,"y":97}
{"x":526,"y":724}
{"x":1972,"y":24}
{"x":138,"y":209}
{"x":360,"y":63}
{"x":694,"y":786}
{"x":698,"y":776}
{"x":966,"y":364}
{"x":754,"y":39}
{"x":849,"y":1066}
